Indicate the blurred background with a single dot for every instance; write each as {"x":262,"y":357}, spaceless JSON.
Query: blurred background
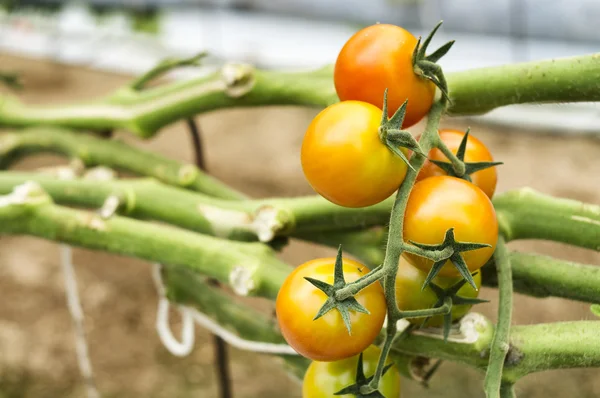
{"x":68,"y":51}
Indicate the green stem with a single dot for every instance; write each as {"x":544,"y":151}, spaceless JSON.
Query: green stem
{"x":242,"y":220}
{"x":249,"y":268}
{"x":93,"y":151}
{"x":395,"y":236}
{"x":478,"y":91}
{"x":425,"y":313}
{"x":507,"y":390}
{"x":144,"y":113}
{"x":500,"y":342}
{"x":559,"y":345}
{"x":527,"y":214}
{"x":533,"y":348}
{"x":542,"y":276}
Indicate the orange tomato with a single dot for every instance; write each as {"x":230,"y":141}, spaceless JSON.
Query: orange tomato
{"x":344,"y":159}
{"x":326,"y":338}
{"x":476,"y":151}
{"x":409,"y":295}
{"x":437,"y":204}
{"x":380,"y":57}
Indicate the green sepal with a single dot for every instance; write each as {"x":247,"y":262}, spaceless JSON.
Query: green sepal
{"x":452,"y":293}
{"x":453,"y":255}
{"x":343,"y":306}
{"x":470,"y":168}
{"x":392,"y":135}
{"x":426,"y":66}
{"x":361,"y":381}
{"x":440,"y":52}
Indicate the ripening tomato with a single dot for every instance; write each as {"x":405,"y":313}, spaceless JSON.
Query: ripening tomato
{"x":326,"y":338}
{"x":476,"y":151}
{"x":324,"y":379}
{"x":380,"y":57}
{"x":437,"y":204}
{"x":409,"y":295}
{"x":344,"y":159}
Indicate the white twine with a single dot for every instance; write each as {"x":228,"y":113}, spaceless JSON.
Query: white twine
{"x":74,"y":305}
{"x":190,"y":314}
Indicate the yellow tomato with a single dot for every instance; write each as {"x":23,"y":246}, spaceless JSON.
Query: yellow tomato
{"x":344,"y":159}
{"x":437,"y":204}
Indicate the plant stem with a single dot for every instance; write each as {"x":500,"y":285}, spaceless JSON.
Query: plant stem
{"x":478,"y":91}
{"x":500,"y":342}
{"x":249,"y":268}
{"x":533,"y":215}
{"x":93,"y":151}
{"x":395,"y":236}
{"x":242,"y":220}
{"x":543,"y":276}
{"x":507,"y":390}
{"x":144,"y":113}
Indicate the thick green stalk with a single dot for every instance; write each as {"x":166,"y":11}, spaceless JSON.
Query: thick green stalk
{"x":478,"y":91}
{"x":559,"y":345}
{"x":250,"y":268}
{"x":527,"y":214}
{"x":260,"y":219}
{"x":533,"y":348}
{"x":145,"y":112}
{"x":93,"y":151}
{"x":543,"y":276}
{"x":507,"y":390}
{"x":500,"y":342}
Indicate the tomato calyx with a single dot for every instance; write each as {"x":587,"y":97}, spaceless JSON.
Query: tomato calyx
{"x":454,"y":169}
{"x":343,"y":306}
{"x":451,"y":293}
{"x":449,"y":249}
{"x":362,"y":389}
{"x":392,"y":135}
{"x":426,"y":65}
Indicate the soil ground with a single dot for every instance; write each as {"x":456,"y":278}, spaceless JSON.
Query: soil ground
{"x":257,"y":151}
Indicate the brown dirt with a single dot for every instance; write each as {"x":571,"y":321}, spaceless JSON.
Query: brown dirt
{"x":256,"y":151}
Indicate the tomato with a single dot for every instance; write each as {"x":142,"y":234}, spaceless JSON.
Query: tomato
{"x":476,"y":151}
{"x":323,"y":379}
{"x":326,"y":338}
{"x":345,"y":161}
{"x":380,"y":57}
{"x":409,"y":295}
{"x":437,"y":204}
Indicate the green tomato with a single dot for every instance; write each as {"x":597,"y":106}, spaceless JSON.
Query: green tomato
{"x":324,"y":379}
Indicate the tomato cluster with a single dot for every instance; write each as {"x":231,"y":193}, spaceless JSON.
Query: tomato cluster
{"x":347,"y":159}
